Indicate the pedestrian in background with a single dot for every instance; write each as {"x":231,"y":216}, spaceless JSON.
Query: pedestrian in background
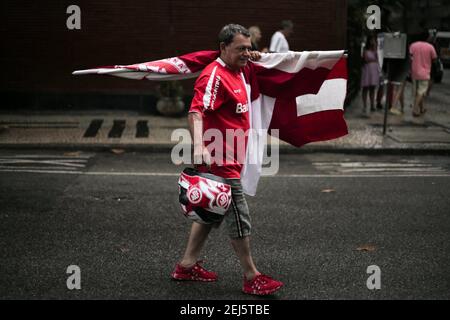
{"x":435,"y":65}
{"x":278,"y":42}
{"x":255,"y":38}
{"x":422,"y":56}
{"x":398,"y":72}
{"x":370,"y":77}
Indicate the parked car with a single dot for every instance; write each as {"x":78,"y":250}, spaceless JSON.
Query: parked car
{"x":443,"y":45}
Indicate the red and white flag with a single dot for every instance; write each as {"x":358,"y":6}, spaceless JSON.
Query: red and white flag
{"x":299,"y":93}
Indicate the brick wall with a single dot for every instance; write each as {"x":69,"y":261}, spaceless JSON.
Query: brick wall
{"x":39,"y":52}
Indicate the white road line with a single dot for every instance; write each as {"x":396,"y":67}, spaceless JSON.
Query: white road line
{"x":40,"y":171}
{"x":160,"y":174}
{"x":36,"y":156}
{"x":375,"y":165}
{"x":37,"y":168}
{"x":360,"y":175}
{"x":37,"y":161}
{"x":51,"y":162}
{"x":392,"y":170}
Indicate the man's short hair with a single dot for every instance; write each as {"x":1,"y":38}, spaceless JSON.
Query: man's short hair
{"x":228,"y":32}
{"x":286,"y":24}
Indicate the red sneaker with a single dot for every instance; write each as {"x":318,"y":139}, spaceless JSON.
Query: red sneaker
{"x":261,"y":285}
{"x":194,"y":273}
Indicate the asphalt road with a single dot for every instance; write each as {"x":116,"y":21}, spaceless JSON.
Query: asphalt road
{"x":318,"y":225}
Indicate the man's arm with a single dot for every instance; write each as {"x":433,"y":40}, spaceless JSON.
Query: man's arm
{"x":201,"y":153}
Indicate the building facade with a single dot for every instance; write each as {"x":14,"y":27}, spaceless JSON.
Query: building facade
{"x":40,"y":51}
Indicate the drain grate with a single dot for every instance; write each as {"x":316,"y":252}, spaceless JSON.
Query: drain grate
{"x":93,"y":128}
{"x":117,"y":129}
{"x":142,"y":129}
{"x":416,"y":135}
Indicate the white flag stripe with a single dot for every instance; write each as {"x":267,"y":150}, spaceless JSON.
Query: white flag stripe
{"x":331,"y":96}
{"x":259,"y":122}
{"x":293,"y":62}
{"x":136,"y":75}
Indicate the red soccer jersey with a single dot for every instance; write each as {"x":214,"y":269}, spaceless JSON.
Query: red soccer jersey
{"x":220,"y":95}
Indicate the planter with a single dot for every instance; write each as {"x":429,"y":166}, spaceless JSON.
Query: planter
{"x":170,"y":106}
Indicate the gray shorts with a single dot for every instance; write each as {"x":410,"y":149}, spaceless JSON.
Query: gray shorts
{"x":237,"y":218}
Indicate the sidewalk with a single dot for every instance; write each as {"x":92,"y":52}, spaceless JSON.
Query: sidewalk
{"x":100,"y":130}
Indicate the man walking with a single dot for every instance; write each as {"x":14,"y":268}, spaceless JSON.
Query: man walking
{"x":221,"y":103}
{"x":422,"y":55}
{"x":278,"y":42}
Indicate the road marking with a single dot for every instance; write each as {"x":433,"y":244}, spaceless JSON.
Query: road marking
{"x":117,"y":129}
{"x":161,"y":174}
{"x":64,"y":163}
{"x":93,"y":128}
{"x":88,"y":156}
{"x":36,"y":168}
{"x":142,"y":130}
{"x":407,"y":166}
{"x":45,"y":163}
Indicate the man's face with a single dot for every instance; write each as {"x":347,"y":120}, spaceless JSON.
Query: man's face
{"x":237,"y":53}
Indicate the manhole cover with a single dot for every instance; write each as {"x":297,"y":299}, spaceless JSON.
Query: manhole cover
{"x":420,"y":135}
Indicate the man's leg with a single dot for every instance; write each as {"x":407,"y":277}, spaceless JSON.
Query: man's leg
{"x":418,"y":102}
{"x":402,"y":95}
{"x":242,"y":248}
{"x":380,"y":94}
{"x":239,"y":227}
{"x":197,"y":238}
{"x":372,"y":98}
{"x":189,"y":268}
{"x":421,"y":87}
{"x":254,"y":282}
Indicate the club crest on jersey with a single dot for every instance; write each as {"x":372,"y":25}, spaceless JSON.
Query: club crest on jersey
{"x":241,"y":108}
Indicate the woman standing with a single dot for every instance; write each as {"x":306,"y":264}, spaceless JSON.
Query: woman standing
{"x":370,"y":73}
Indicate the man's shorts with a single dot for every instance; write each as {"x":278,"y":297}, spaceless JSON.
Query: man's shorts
{"x":420,"y":87}
{"x":237,"y":218}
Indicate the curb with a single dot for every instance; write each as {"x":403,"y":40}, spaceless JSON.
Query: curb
{"x":167,"y":148}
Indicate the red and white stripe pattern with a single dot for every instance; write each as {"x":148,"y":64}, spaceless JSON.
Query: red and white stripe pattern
{"x":209,"y":97}
{"x":299,"y":93}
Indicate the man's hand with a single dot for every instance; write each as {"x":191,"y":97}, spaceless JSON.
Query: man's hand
{"x":202,"y":156}
{"x":255,"y":55}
